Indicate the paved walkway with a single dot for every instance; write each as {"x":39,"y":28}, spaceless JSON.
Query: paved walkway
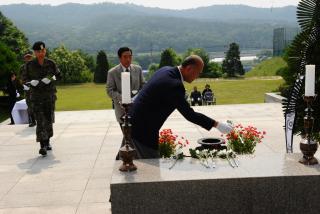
{"x":75,"y":176}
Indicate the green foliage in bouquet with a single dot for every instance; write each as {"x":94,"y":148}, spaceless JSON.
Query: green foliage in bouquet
{"x":243,"y":140}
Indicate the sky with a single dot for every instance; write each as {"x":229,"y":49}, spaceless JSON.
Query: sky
{"x":168,"y":4}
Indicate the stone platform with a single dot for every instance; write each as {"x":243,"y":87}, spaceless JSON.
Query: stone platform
{"x":263,"y":184}
{"x":75,"y":177}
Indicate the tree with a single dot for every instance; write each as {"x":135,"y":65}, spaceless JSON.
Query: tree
{"x":144,"y":60}
{"x":204,"y":56}
{"x":88,"y":60}
{"x":8,"y":64}
{"x":151,"y":70}
{"x":305,"y":49}
{"x":101,"y":72}
{"x":169,"y":58}
{"x":12,"y":37}
{"x":232,"y":65}
{"x":215,"y":70}
{"x":72,"y":65}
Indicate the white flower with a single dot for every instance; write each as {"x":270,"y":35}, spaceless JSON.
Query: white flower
{"x":178,"y":151}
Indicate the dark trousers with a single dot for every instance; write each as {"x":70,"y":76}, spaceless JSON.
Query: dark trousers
{"x":193,"y":103}
{"x":145,"y":152}
{"x":44,"y":113}
{"x":31,"y":116}
{"x":12,"y":102}
{"x":142,"y":151}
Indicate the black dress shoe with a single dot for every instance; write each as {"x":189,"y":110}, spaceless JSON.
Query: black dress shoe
{"x":43,"y":148}
{"x":43,"y":151}
{"x":32,"y":124}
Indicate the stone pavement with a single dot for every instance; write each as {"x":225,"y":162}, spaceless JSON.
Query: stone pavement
{"x":75,"y":176}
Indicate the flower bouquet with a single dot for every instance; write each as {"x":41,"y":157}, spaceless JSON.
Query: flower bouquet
{"x":243,"y":140}
{"x":169,"y":143}
{"x":170,"y":146}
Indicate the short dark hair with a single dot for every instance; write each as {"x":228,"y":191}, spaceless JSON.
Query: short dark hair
{"x":190,"y":60}
{"x":122,"y":50}
{"x":37,"y":46}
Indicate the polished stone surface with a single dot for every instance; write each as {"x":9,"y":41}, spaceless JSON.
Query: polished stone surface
{"x":271,"y":183}
{"x":75,"y":177}
{"x":275,"y":165}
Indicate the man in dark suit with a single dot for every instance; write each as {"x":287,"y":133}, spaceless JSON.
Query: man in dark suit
{"x":196,"y":97}
{"x":161,"y":95}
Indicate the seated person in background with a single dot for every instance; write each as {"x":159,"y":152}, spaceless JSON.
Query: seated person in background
{"x":207,"y":95}
{"x":195,"y":97}
{"x":207,"y":88}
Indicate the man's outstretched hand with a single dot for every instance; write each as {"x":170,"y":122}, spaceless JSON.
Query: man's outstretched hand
{"x":224,"y":128}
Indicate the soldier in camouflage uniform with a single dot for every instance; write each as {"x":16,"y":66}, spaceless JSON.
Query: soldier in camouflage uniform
{"x":41,"y":74}
{"x":27,"y":58}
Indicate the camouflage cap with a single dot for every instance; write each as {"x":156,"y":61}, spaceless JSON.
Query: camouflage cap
{"x":37,"y":46}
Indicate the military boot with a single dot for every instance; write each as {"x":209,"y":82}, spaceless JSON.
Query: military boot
{"x":48,"y":145}
{"x":43,"y":149}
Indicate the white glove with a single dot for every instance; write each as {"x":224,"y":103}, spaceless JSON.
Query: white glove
{"x":224,"y":128}
{"x":135,"y":94}
{"x":46,"y":80}
{"x":17,"y":94}
{"x":34,"y":82}
{"x":54,"y":77}
{"x":134,"y":98}
{"x":26,"y":88}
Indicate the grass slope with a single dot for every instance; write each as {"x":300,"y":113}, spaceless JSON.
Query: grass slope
{"x":267,"y":68}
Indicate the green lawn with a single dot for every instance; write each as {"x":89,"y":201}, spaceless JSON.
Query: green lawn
{"x":3,"y":114}
{"x":91,"y":96}
{"x":87,"y":96}
{"x":238,"y":91}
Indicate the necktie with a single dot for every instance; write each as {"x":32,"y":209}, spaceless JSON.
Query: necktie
{"x":127,"y":69}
